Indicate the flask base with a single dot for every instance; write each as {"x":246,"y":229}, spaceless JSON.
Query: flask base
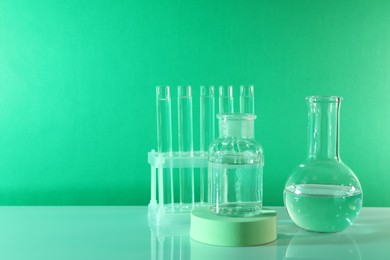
{"x":212,"y":229}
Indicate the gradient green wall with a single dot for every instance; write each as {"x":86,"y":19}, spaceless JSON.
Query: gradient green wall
{"x":77,"y":88}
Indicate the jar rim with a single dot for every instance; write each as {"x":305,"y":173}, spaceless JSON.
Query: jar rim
{"x":324,"y":99}
{"x":236,"y":116}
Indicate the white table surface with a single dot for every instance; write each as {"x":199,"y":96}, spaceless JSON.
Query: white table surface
{"x":124,"y":233}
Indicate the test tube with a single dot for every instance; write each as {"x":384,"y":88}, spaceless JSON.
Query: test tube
{"x":226,"y":99}
{"x":247,"y":103}
{"x":186,"y":147}
{"x":164,"y":119}
{"x":207,"y":132}
{"x":207,"y":117}
{"x":164,"y":143}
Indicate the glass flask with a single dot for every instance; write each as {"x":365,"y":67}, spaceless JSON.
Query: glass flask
{"x":323,"y":194}
{"x":235,"y":168}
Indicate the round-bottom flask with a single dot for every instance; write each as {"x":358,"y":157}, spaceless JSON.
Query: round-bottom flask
{"x":235,"y":168}
{"x":323,"y":194}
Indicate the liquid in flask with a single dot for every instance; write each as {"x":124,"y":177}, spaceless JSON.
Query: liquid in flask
{"x":323,"y":194}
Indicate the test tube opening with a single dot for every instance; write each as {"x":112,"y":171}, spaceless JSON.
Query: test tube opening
{"x":247,"y":103}
{"x":226,"y":91}
{"x":184,"y":92}
{"x":226,"y":104}
{"x":163,"y":92}
{"x":247,"y":90}
{"x":207,"y":91}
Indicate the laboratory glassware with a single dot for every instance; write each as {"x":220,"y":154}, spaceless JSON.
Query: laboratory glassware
{"x":186,"y":145}
{"x":226,"y":101}
{"x":235,"y":168}
{"x":207,"y":133}
{"x":323,"y":194}
{"x":247,"y":99}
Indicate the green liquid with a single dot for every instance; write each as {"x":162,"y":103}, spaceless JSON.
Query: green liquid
{"x":323,"y":208}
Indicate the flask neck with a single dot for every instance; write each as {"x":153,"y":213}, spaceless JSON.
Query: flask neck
{"x":323,"y":127}
{"x":236,"y":125}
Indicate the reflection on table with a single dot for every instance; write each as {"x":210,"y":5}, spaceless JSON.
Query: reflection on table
{"x":292,"y":243}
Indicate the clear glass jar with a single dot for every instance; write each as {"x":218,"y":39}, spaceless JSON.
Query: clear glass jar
{"x":323,"y":194}
{"x":235,"y":168}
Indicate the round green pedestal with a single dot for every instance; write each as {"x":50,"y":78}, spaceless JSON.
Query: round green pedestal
{"x":231,"y":231}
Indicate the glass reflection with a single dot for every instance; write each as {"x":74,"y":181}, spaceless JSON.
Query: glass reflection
{"x":169,"y":242}
{"x":307,"y":245}
{"x":201,"y":251}
{"x":293,"y":243}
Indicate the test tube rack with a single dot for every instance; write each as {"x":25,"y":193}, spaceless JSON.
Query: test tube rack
{"x":179,"y":178}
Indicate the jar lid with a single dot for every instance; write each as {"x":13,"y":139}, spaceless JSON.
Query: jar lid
{"x":324,"y":99}
{"x":212,"y":229}
{"x":236,"y":116}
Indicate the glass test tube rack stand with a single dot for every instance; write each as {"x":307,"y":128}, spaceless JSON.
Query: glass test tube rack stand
{"x":174,"y":212}
{"x":179,"y":178}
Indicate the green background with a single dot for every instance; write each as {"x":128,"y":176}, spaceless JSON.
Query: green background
{"x":77,"y":88}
